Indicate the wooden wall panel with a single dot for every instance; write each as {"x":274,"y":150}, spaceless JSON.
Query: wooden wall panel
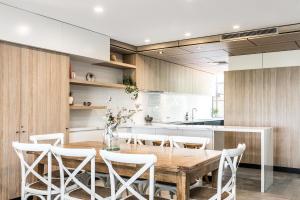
{"x":45,"y":89}
{"x":10,"y":56}
{"x":265,"y":97}
{"x":158,"y":75}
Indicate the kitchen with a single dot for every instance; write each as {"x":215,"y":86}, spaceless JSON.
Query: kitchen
{"x":96,"y":83}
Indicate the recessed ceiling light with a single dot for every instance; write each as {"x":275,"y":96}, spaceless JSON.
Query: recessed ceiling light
{"x":160,"y":52}
{"x":147,"y":41}
{"x":23,"y":29}
{"x":236,"y":27}
{"x":187,"y":34}
{"x":98,"y":9}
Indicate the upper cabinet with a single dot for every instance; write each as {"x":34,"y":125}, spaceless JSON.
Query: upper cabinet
{"x":158,"y":75}
{"x":81,"y":42}
{"x":22,"y":27}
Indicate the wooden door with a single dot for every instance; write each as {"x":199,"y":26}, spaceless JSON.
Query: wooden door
{"x":45,"y":91}
{"x":10,"y":62}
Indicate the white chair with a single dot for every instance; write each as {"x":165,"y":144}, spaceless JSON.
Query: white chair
{"x":84,"y":192}
{"x":180,"y":142}
{"x":176,"y":141}
{"x":231,"y":158}
{"x":147,"y":162}
{"x":44,"y":185}
{"x":56,"y":139}
{"x":151,"y":138}
{"x":128,"y":137}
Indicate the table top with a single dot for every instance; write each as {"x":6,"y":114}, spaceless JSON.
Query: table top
{"x":168,"y":158}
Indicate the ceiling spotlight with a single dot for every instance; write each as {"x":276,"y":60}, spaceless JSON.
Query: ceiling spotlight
{"x":98,"y":9}
{"x":187,"y":34}
{"x":147,"y":41}
{"x":160,"y":52}
{"x":236,"y":27}
{"x":23,"y":30}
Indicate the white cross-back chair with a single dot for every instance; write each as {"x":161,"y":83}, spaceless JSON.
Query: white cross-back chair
{"x":146,"y":160}
{"x":175,"y":141}
{"x":230,"y":159}
{"x":43,"y":186}
{"x":56,"y":139}
{"x":87,"y":158}
{"x":179,"y":142}
{"x":129,"y":137}
{"x":148,"y":137}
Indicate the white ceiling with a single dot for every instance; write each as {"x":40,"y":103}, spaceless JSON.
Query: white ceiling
{"x":132,"y":21}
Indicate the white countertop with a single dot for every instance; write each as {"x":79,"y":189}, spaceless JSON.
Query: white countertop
{"x":201,"y":127}
{"x":185,"y":127}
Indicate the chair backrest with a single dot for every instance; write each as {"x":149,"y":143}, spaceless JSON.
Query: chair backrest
{"x":55,"y":139}
{"x":175,"y":141}
{"x":231,"y":158}
{"x":88,"y":157}
{"x":28,"y":168}
{"x":129,"y":137}
{"x":149,"y":137}
{"x":146,"y":160}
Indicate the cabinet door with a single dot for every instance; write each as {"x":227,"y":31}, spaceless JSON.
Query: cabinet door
{"x":45,"y":88}
{"x":10,"y":57}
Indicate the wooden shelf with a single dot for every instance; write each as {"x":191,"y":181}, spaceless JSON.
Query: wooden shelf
{"x":81,"y":107}
{"x":118,"y":65}
{"x":96,"y":84}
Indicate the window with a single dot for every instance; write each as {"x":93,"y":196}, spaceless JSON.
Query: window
{"x":218,"y":99}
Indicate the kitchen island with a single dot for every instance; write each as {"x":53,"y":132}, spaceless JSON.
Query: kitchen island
{"x":216,"y":134}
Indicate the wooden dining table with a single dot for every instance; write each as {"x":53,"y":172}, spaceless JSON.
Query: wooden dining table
{"x":174,"y":165}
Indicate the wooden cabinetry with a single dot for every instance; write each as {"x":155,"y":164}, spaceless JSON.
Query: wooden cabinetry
{"x":34,"y":89}
{"x":158,"y":75}
{"x":10,"y":78}
{"x":265,"y":97}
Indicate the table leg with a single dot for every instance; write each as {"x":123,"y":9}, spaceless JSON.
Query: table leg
{"x":214,"y":181}
{"x":183,"y":186}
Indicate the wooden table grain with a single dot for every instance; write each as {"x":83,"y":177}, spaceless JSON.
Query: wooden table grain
{"x":179,"y":166}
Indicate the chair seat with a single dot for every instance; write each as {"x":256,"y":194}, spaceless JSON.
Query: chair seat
{"x":132,"y":197}
{"x":82,"y":194}
{"x":42,"y":186}
{"x":200,"y":193}
{"x":56,"y":174}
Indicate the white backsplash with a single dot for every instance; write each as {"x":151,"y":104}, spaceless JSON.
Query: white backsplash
{"x":169,"y":107}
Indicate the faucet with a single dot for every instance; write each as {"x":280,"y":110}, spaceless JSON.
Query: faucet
{"x":193,"y":109}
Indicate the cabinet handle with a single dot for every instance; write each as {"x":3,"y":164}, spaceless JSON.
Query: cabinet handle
{"x":23,"y":131}
{"x":17,"y":132}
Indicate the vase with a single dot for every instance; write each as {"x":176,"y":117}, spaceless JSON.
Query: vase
{"x":111,"y":139}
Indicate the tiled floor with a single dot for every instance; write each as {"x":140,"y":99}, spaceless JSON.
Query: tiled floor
{"x":285,"y":186}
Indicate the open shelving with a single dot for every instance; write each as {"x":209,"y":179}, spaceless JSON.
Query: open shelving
{"x":96,"y":84}
{"x":116,"y":64}
{"x":82,"y":107}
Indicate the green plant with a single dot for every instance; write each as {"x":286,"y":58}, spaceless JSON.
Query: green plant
{"x":131,"y":87}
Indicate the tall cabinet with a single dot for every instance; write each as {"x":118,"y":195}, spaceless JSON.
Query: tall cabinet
{"x":33,"y":100}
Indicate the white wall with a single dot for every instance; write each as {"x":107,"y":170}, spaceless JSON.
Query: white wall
{"x":265,"y":60}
